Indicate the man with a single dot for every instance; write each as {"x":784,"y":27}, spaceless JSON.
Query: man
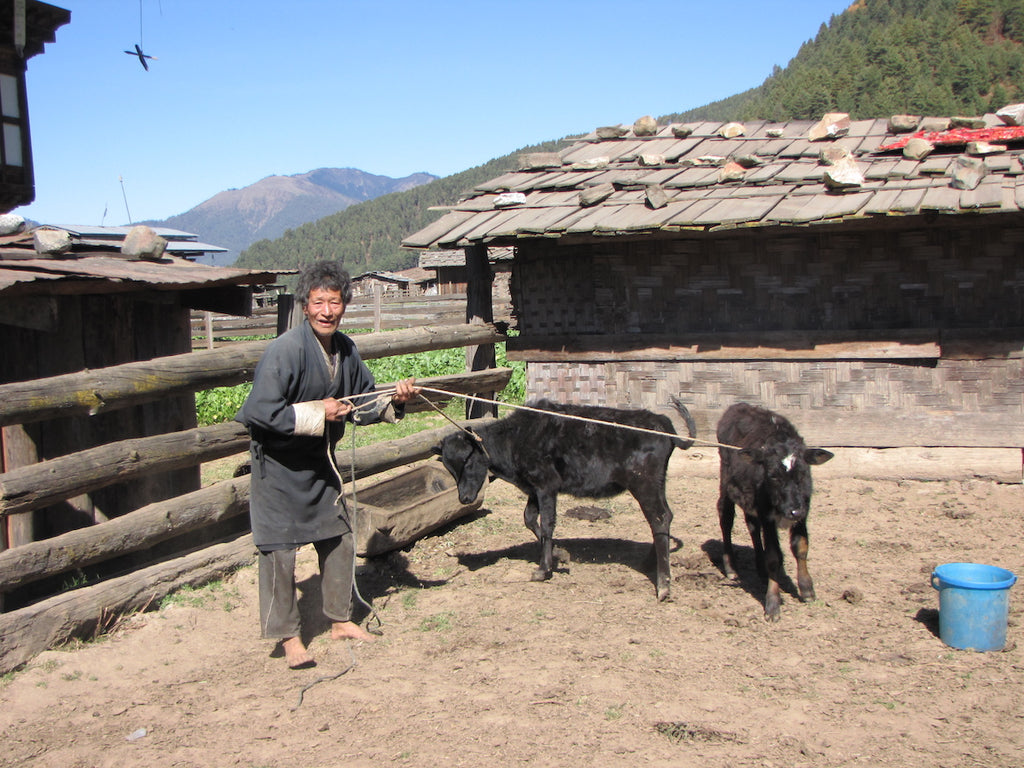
{"x":295,"y":415}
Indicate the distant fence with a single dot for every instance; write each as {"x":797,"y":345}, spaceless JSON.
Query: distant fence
{"x":376,"y":313}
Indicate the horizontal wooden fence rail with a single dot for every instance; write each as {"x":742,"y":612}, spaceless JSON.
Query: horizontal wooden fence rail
{"x":263,"y":321}
{"x":121,"y":386}
{"x":90,"y":611}
{"x":34,"y":486}
{"x":132,"y":532}
{"x":39,"y":485}
{"x":163,"y":520}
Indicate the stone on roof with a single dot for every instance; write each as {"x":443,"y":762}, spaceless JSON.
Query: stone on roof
{"x":1012,"y":114}
{"x":96,"y":260}
{"x":703,"y":176}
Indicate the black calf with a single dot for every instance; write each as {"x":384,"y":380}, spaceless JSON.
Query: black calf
{"x":770,"y":479}
{"x":546,"y":454}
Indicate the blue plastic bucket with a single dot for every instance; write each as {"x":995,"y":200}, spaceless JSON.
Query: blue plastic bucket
{"x":973,"y":605}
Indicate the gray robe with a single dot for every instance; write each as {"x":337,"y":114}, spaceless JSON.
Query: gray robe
{"x":295,"y":484}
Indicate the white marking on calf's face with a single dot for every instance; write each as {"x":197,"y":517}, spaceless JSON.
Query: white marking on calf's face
{"x":789,"y":461}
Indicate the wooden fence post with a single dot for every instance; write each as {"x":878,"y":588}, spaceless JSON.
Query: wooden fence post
{"x":285,"y":304}
{"x":479,"y":310}
{"x":378,"y":312}
{"x":208,"y":321}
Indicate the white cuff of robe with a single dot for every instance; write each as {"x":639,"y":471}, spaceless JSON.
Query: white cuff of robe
{"x":310,"y":418}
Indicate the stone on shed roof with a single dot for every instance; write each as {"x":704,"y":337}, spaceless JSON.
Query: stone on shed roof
{"x":777,"y":178}
{"x":94,"y":262}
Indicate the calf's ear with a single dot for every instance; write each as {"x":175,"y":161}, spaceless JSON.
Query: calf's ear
{"x":817,"y":455}
{"x":436,"y":450}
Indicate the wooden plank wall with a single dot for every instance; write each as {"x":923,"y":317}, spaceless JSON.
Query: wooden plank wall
{"x":885,"y":324}
{"x":95,"y":332}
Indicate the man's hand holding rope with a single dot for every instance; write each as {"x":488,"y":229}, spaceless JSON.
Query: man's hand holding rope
{"x":405,"y":390}
{"x":339,"y":409}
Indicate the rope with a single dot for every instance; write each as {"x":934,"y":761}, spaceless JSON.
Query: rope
{"x":479,"y":440}
{"x":353,"y":519}
{"x":475,"y":398}
{"x":326,"y":678}
{"x":353,"y":514}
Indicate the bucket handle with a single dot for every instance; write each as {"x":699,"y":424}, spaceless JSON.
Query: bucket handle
{"x":935,"y":582}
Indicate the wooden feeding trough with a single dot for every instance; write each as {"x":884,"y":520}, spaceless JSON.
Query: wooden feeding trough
{"x":395,"y":512}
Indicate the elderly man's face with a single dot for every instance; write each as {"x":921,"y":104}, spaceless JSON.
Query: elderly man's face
{"x":324,"y":309}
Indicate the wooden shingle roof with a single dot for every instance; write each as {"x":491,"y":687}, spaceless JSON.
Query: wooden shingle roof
{"x":710,"y":176}
{"x":95,"y":264}
{"x":433,"y":260}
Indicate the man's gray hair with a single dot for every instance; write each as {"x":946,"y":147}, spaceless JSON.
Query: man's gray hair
{"x":324,"y":274}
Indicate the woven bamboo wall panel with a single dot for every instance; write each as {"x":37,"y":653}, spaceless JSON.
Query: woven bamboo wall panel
{"x":993,"y":386}
{"x":931,"y":277}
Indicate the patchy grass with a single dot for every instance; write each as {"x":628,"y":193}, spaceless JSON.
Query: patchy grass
{"x":213,"y":595}
{"x":438,"y":622}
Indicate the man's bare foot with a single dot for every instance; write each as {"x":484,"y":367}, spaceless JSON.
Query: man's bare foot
{"x":296,"y":655}
{"x":349,"y":630}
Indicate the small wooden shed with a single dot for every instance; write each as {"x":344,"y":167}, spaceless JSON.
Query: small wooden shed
{"x":93,"y":307}
{"x":406,"y":282}
{"x":864,"y":277}
{"x":449,"y":266}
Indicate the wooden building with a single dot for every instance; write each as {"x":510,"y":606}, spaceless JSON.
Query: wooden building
{"x":864,"y":277}
{"x":89,"y":307}
{"x":450,"y":268}
{"x":25,"y":28}
{"x":405,"y":282}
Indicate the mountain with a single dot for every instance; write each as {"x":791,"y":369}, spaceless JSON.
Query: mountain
{"x":368,"y":236}
{"x":267,"y":209}
{"x":876,"y":59}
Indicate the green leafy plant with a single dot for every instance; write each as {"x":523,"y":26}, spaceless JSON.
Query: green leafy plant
{"x":214,"y":406}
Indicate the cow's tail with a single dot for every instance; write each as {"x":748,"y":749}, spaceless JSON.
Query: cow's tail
{"x":691,"y":425}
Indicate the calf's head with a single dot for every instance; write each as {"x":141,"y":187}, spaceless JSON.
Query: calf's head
{"x":787,"y":477}
{"x":464,"y":457}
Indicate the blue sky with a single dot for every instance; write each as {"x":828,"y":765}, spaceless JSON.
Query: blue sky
{"x":241,"y":91}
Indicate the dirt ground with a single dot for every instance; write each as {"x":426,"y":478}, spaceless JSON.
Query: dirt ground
{"x":476,"y":665}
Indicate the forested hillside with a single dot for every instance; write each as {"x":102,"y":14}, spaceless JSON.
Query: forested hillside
{"x":886,"y":57}
{"x":876,"y":59}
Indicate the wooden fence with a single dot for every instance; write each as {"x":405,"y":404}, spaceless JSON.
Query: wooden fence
{"x":375,"y":313}
{"x":92,"y":609}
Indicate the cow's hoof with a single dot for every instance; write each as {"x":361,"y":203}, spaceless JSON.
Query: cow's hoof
{"x":772,"y":613}
{"x":806,"y":589}
{"x":540,"y":575}
{"x":664,"y":594}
